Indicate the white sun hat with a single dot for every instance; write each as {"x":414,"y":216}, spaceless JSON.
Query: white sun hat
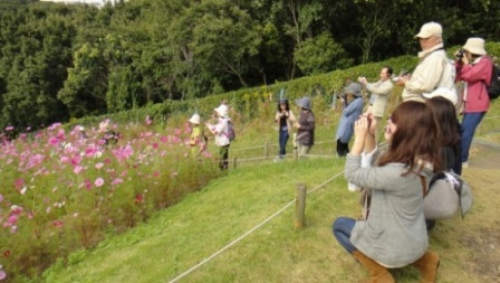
{"x":195,"y":119}
{"x":222,"y":110}
{"x":475,"y":45}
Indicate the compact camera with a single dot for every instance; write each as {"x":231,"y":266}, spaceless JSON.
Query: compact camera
{"x":460,"y":54}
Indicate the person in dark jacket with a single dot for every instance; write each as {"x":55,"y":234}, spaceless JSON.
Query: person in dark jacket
{"x":305,"y":126}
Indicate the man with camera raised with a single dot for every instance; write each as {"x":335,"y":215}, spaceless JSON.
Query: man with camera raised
{"x":434,"y":69}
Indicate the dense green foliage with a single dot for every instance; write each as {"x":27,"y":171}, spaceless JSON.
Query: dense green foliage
{"x":60,"y":62}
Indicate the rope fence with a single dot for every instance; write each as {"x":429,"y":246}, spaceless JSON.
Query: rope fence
{"x":246,"y":234}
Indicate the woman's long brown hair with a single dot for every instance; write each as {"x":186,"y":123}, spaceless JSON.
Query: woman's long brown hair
{"x":416,"y":137}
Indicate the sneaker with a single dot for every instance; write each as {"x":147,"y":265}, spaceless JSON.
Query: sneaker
{"x":465,"y":164}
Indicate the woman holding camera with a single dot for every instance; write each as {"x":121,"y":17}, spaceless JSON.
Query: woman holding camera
{"x":393,"y":234}
{"x":474,"y":68}
{"x":285,"y":119}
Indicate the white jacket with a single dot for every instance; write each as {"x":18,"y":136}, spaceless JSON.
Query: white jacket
{"x":434,"y":70}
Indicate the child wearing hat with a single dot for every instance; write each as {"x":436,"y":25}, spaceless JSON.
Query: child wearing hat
{"x":305,"y":126}
{"x":196,"y":140}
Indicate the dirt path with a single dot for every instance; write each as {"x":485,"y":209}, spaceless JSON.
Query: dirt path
{"x":482,"y":235}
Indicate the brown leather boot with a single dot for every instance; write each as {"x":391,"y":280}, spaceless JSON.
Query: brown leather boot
{"x":428,"y":265}
{"x":378,"y":273}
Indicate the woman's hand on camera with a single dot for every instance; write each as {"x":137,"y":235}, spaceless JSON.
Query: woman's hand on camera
{"x":361,"y":127}
{"x":372,"y":129}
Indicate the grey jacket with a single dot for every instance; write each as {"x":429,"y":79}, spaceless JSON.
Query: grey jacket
{"x":394,"y":234}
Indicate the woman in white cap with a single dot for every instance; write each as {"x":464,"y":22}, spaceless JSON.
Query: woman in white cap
{"x":474,"y":68}
{"x":305,"y":126}
{"x":221,"y":132}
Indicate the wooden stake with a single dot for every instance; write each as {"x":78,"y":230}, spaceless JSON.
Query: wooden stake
{"x":235,"y":162}
{"x":300,"y":206}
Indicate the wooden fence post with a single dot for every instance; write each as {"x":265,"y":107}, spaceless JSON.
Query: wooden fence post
{"x":300,"y":206}
{"x":235,"y":162}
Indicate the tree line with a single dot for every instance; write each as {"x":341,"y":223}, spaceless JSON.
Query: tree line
{"x":60,"y":62}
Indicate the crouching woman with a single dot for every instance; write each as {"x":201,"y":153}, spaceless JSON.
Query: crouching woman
{"x":394,"y":232}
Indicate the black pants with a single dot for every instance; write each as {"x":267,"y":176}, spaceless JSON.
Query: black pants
{"x":223,"y":157}
{"x":342,"y":148}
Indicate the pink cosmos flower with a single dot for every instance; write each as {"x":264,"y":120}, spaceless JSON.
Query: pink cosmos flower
{"x":177,"y":132}
{"x":12,"y":220}
{"x":99,"y":182}
{"x":9,"y":128}
{"x":116,"y":181}
{"x":163,"y":139}
{"x":88,"y":184}
{"x":54,"y":126}
{"x":53,"y":141}
{"x":3,"y":275}
{"x":64,"y":159}
{"x":35,"y":161}
{"x":155,"y":145}
{"x":57,"y":223}
{"x":99,"y":165}
{"x":91,"y":151}
{"x":16,"y":210}
{"x":76,"y":160}
{"x":19,"y":183}
{"x":77,"y":169}
{"x":13,"y":229}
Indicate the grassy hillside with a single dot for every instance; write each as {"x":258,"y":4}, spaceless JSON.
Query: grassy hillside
{"x":182,"y":236}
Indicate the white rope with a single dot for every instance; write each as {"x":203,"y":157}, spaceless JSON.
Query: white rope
{"x":187,"y":272}
{"x":247,"y":148}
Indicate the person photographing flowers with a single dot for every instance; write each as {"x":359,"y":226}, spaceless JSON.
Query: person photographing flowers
{"x":393,"y":234}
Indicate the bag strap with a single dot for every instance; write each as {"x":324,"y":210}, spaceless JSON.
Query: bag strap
{"x":425,"y":191}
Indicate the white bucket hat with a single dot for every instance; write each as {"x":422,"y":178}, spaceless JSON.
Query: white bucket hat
{"x":222,"y":110}
{"x":195,"y":119}
{"x":447,"y":93}
{"x":430,"y":29}
{"x":475,"y":45}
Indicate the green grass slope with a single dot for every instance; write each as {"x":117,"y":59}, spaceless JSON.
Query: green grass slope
{"x":184,"y":235}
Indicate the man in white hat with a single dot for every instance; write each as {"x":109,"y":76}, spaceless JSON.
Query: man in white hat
{"x":434,"y":69}
{"x":221,"y":132}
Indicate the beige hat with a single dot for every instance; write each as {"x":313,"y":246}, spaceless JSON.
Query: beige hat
{"x":430,"y":29}
{"x":475,"y":45}
{"x":447,"y":93}
{"x":222,"y":110}
{"x":195,"y":119}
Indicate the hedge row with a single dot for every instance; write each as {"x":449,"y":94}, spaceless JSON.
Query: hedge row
{"x":244,"y":101}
